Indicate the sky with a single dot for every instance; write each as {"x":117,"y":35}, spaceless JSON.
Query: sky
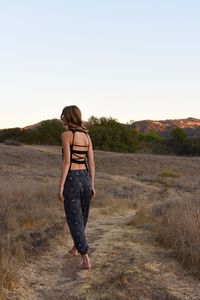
{"x":129,"y":60}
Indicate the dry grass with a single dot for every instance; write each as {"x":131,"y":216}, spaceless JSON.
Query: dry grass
{"x":9,"y":276}
{"x":27,"y":204}
{"x":12,"y":142}
{"x":174,"y":214}
{"x":115,"y":194}
{"x":180,"y":229}
{"x":120,"y":281}
{"x":27,"y":201}
{"x":163,"y":189}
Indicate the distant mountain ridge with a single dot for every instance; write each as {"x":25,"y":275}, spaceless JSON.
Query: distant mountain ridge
{"x":163,"y":127}
{"x":32,"y":126}
{"x":85,"y":123}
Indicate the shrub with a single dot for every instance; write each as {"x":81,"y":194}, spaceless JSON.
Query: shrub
{"x":47,"y":132}
{"x":109,"y":134}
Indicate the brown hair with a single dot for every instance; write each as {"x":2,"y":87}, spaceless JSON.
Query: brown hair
{"x":72,"y":116}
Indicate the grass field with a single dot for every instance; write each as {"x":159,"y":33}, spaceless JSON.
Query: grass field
{"x":163,"y":191}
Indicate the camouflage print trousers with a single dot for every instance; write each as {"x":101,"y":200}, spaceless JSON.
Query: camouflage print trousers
{"x":77,"y":195}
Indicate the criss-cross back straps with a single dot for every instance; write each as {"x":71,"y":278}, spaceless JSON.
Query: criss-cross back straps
{"x":74,"y":131}
{"x":79,"y":159}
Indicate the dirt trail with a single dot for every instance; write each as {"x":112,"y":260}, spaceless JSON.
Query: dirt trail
{"x":127,"y":264}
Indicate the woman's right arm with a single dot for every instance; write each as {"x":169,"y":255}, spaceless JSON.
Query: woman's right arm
{"x":91,"y":164}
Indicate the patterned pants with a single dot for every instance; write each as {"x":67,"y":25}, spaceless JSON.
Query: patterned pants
{"x":77,"y":195}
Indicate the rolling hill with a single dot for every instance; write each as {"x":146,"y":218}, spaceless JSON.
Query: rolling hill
{"x":163,"y":127}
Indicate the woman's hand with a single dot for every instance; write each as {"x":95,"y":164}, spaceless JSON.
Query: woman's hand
{"x":60,"y":194}
{"x":93,"y":192}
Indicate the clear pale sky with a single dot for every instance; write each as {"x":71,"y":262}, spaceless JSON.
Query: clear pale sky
{"x":130,"y":60}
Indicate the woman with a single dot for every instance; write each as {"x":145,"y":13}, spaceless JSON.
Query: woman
{"x":76,"y":186}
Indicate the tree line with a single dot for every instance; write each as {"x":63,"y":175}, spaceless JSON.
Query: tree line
{"x":107,"y":134}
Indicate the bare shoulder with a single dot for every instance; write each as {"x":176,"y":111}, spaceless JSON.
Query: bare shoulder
{"x":66,"y":135}
{"x":90,"y":141}
{"x":89,"y":136}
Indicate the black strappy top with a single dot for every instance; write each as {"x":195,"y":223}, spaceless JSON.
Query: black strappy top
{"x":73,"y":152}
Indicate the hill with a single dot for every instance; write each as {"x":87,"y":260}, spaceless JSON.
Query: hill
{"x":163,"y":127}
{"x":85,"y":123}
{"x":180,"y":136}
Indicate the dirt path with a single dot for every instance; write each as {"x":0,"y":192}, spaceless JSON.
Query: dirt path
{"x":127,"y":264}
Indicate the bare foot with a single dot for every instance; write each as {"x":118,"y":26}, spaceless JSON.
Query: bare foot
{"x":86,"y":262}
{"x":85,"y":266}
{"x":74,"y":251}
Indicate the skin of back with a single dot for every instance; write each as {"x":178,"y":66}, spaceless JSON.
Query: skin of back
{"x":79,"y":139}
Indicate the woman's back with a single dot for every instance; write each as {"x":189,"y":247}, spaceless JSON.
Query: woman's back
{"x":79,"y":145}
{"x":80,"y":138}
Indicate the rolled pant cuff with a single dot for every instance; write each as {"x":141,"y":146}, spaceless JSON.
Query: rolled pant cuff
{"x":84,"y":252}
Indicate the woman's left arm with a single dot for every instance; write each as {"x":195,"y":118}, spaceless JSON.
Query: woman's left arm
{"x":65,"y":139}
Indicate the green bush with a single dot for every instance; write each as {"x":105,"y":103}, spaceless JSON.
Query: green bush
{"x":48,"y":132}
{"x":179,"y":141}
{"x":110,"y":135}
{"x":150,"y":136}
{"x":194,"y":146}
{"x":10,"y":133}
